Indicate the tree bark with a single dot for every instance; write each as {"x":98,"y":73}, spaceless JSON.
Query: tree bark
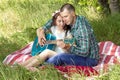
{"x":114,"y":6}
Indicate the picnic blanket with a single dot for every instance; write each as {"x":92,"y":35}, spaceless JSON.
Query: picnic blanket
{"x":109,"y":55}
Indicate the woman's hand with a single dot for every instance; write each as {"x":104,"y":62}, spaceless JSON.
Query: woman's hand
{"x":41,"y":36}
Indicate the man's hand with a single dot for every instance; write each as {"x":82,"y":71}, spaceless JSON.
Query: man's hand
{"x":60,"y":44}
{"x":63,"y":45}
{"x":41,"y":36}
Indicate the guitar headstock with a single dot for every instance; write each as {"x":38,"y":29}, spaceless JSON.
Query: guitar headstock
{"x":69,"y":41}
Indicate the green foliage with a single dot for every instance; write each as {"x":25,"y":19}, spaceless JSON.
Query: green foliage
{"x":90,"y":3}
{"x":19,"y":20}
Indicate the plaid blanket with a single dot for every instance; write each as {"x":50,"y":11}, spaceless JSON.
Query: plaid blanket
{"x":109,"y":55}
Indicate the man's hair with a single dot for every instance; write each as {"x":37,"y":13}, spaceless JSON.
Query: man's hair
{"x":67,"y":6}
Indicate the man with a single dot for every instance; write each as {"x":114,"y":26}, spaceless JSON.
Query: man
{"x":85,"y":53}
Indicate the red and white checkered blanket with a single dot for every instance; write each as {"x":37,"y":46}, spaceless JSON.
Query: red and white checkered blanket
{"x":109,"y":55}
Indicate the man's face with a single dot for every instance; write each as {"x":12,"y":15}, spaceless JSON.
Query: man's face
{"x":67,"y":17}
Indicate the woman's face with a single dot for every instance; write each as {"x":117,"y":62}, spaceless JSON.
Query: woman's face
{"x":59,"y":22}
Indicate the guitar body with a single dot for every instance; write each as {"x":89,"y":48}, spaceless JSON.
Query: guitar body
{"x":37,"y":49}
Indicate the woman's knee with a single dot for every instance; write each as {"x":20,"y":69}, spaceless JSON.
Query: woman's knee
{"x":47,"y":50}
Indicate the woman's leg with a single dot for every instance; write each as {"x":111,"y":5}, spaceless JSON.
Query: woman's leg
{"x":39,"y":59}
{"x":27,"y":61}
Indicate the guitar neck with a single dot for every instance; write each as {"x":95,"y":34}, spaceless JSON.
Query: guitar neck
{"x":53,"y":41}
{"x":72,"y":42}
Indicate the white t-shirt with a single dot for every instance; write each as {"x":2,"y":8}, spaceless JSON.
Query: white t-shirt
{"x":59,"y":35}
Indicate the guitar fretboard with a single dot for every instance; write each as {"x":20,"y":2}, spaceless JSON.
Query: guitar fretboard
{"x":53,"y":41}
{"x":67,"y":41}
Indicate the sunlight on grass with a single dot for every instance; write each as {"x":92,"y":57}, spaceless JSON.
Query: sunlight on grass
{"x":91,"y":14}
{"x":19,"y":20}
{"x":10,"y":22}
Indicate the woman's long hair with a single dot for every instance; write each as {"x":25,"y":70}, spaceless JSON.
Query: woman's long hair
{"x":66,"y":27}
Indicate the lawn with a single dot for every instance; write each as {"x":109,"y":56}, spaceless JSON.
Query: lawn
{"x":19,"y":20}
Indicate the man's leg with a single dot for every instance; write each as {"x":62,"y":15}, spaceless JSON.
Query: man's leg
{"x":71,"y":59}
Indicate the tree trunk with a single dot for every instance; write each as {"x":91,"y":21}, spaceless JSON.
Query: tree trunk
{"x":105,"y":5}
{"x":114,"y":6}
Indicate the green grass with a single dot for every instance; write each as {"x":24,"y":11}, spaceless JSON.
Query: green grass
{"x":107,"y":28}
{"x":19,"y":20}
{"x":19,"y":73}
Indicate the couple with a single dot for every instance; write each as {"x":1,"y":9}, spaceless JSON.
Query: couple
{"x":67,"y":23}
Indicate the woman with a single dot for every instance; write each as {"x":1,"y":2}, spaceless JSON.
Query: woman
{"x":59,"y":30}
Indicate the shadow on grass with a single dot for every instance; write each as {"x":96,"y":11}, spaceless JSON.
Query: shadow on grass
{"x":7,"y":46}
{"x":16,"y":41}
{"x":30,"y":33}
{"x":107,"y":29}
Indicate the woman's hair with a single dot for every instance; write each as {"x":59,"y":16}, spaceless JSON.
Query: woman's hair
{"x":54,"y":18}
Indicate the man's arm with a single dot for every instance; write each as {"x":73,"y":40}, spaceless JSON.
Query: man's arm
{"x":82,"y":39}
{"x":47,"y":26}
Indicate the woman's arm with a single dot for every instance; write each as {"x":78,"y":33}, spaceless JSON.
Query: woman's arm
{"x":41,"y":32}
{"x":41,"y":36}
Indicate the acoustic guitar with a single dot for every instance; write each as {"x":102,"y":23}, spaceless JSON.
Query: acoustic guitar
{"x":50,"y":44}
